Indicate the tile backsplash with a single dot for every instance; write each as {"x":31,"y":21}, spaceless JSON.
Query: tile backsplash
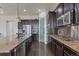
{"x":69,"y":31}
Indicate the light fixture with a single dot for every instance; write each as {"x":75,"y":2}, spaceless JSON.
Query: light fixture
{"x":25,"y":10}
{"x":39,"y":10}
{"x":1,"y":10}
{"x":59,"y":9}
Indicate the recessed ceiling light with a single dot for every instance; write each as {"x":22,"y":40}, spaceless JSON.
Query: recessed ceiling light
{"x":25,"y":10}
{"x":39,"y":10}
{"x":60,"y":10}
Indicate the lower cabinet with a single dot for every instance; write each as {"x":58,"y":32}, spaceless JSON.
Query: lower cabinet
{"x":53,"y":47}
{"x":23,"y":49}
{"x":69,"y":52}
{"x":60,"y":49}
{"x":20,"y":50}
{"x":27,"y":47}
{"x":57,"y":48}
{"x":28,"y":44}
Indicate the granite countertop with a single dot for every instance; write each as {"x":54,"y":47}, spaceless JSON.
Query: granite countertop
{"x":35,"y":33}
{"x":73,"y":44}
{"x":9,"y":43}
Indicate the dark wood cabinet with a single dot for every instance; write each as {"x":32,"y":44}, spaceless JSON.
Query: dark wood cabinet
{"x":69,"y":52}
{"x":77,"y":13}
{"x":27,"y":47}
{"x":59,"y":49}
{"x":28,"y":44}
{"x":20,"y":50}
{"x":68,"y":7}
{"x":53,"y":46}
{"x":60,"y":9}
{"x":51,"y":22}
{"x":63,"y":9}
{"x":56,"y":10}
{"x":24,"y":48}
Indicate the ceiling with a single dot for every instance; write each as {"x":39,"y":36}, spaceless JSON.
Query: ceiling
{"x":10,"y":9}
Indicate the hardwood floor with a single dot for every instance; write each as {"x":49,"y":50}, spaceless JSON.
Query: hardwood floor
{"x":40,"y":49}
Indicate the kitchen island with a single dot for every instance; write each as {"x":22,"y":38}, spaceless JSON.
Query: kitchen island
{"x":14,"y":46}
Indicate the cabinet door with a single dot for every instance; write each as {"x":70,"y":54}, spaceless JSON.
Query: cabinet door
{"x":67,"y":18}
{"x":53,"y":46}
{"x":77,"y":13}
{"x":51,"y":22}
{"x":60,"y":10}
{"x":68,"y":7}
{"x":59,"y":50}
{"x":56,"y":11}
{"x":60,"y":21}
{"x":69,"y":52}
{"x":20,"y":50}
{"x":26,"y":47}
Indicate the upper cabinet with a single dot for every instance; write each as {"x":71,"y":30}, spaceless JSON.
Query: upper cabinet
{"x":67,"y":14}
{"x":77,"y":13}
{"x":68,"y":7}
{"x":60,"y":21}
{"x":51,"y":22}
{"x":60,"y":10}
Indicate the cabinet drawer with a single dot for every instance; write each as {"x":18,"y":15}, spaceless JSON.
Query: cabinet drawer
{"x":69,"y":52}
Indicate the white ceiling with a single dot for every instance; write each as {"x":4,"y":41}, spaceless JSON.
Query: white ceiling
{"x":10,"y":9}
